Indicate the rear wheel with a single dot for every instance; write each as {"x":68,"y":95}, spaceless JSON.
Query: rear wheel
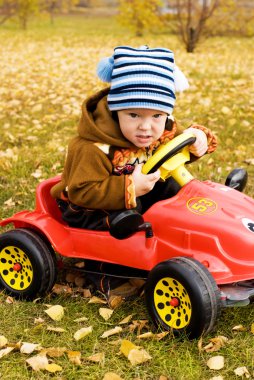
{"x":182,"y":296}
{"x":27,"y":264}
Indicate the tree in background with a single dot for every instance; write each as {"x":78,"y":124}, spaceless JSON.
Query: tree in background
{"x":139,"y":15}
{"x":192,"y":17}
{"x":26,"y":9}
{"x":8,"y":9}
{"x":55,"y":6}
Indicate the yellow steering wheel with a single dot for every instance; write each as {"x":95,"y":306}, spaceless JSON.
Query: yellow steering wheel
{"x":170,"y":159}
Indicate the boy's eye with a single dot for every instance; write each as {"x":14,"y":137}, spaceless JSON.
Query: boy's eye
{"x":133,"y":115}
{"x":157,"y":115}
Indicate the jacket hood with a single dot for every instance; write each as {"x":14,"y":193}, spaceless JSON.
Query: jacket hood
{"x":96,"y":123}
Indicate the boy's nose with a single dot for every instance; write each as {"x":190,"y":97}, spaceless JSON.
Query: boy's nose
{"x":144,"y":125}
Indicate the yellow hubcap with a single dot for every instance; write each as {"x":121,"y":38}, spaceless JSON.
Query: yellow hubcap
{"x":172,"y":303}
{"x":15,"y":268}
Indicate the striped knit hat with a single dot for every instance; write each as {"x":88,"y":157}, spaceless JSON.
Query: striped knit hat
{"x":141,"y":78}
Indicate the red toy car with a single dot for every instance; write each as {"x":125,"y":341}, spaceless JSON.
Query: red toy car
{"x":194,"y":250}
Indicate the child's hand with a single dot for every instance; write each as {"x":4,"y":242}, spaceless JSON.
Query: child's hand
{"x":144,"y":182}
{"x":200,"y":146}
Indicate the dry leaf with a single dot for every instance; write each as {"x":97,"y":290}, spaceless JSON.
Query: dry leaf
{"x":74,"y":357}
{"x":80,"y":264}
{"x":216,"y":378}
{"x":111,"y":376}
{"x":9,"y":300}
{"x":138,"y":356}
{"x":216,"y":362}
{"x":55,"y":352}
{"x":80,"y":334}
{"x":115,"y":301}
{"x":252,"y":328}
{"x":95,"y":299}
{"x":87,"y":293}
{"x":81,"y":319}
{"x":97,"y":358}
{"x":56,"y":329}
{"x":242,"y":371}
{"x":38,"y":320}
{"x":52,"y":367}
{"x":55,"y":312}
{"x":6,"y":351}
{"x":239,"y":328}
{"x":147,"y":335}
{"x":105,"y":313}
{"x":3,"y":341}
{"x":161,"y":335}
{"x":126,"y":347}
{"x":38,"y":362}
{"x":62,"y":289}
{"x":126,"y":320}
{"x":113,"y":331}
{"x":139,"y":325}
{"x":28,"y":348}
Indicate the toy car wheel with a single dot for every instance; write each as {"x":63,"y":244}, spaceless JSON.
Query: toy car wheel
{"x":182,"y":296}
{"x":27,"y":265}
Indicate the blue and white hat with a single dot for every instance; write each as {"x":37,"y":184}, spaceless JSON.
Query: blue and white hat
{"x":142,"y":78}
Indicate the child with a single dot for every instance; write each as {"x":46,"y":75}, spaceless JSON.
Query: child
{"x":119,"y":130}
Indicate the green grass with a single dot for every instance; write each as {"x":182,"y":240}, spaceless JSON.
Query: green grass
{"x":46,"y":72}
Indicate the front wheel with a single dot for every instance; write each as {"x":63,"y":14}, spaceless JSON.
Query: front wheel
{"x":27,"y":265}
{"x":183,"y":297}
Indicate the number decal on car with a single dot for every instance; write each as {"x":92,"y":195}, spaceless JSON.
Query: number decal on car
{"x":249,"y":224}
{"x":201,"y":206}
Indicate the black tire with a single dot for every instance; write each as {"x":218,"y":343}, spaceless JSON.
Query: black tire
{"x":183,"y":297}
{"x":27,"y":264}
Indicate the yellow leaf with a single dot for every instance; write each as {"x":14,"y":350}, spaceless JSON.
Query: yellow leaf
{"x":113,"y":331}
{"x":52,"y":367}
{"x":252,"y":328}
{"x":55,"y":352}
{"x":126,"y":320}
{"x":28,"y":348}
{"x":147,"y":335}
{"x":56,"y":329}
{"x":216,"y":362}
{"x":126,"y":347}
{"x":3,"y":341}
{"x":111,"y":376}
{"x":55,"y":312}
{"x":138,"y":356}
{"x":242,"y":371}
{"x":115,"y":301}
{"x":105,"y":313}
{"x":81,"y":319}
{"x":5,"y":351}
{"x":74,"y":357}
{"x":97,"y":300}
{"x":97,"y":358}
{"x":37,"y":362}
{"x":80,"y":334}
{"x":239,"y":328}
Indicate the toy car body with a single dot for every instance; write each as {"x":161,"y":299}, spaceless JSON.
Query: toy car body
{"x":198,"y":259}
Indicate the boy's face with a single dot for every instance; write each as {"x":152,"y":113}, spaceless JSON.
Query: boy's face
{"x":142,"y":126}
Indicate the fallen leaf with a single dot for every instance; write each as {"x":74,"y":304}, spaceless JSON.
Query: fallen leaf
{"x":105,"y":313}
{"x":62,"y":289}
{"x":74,"y":357}
{"x":216,"y":343}
{"x":242,"y":371}
{"x":56,"y":329}
{"x":113,"y":331}
{"x":55,"y":352}
{"x":111,"y":376}
{"x":81,"y":319}
{"x":216,"y":378}
{"x":52,"y":367}
{"x":38,"y":320}
{"x":37,"y":362}
{"x":5,"y":351}
{"x":3,"y":341}
{"x":138,"y":356}
{"x":55,"y":312}
{"x":9,"y":300}
{"x":115,"y":301}
{"x":126,"y":347}
{"x":28,"y":348}
{"x":147,"y":335}
{"x":95,"y":299}
{"x":161,"y":335}
{"x":87,"y":293}
{"x":252,"y":328}
{"x":97,"y":358}
{"x":239,"y":328}
{"x":216,"y":362}
{"x":139,"y":325}
{"x":80,"y":334}
{"x":126,"y":320}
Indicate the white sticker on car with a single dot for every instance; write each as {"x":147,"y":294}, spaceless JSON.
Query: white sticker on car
{"x":249,"y":224}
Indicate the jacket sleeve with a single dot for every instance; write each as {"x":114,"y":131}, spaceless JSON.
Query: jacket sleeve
{"x":90,"y":182}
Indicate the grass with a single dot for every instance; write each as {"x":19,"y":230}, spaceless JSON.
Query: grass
{"x":46,"y":73}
